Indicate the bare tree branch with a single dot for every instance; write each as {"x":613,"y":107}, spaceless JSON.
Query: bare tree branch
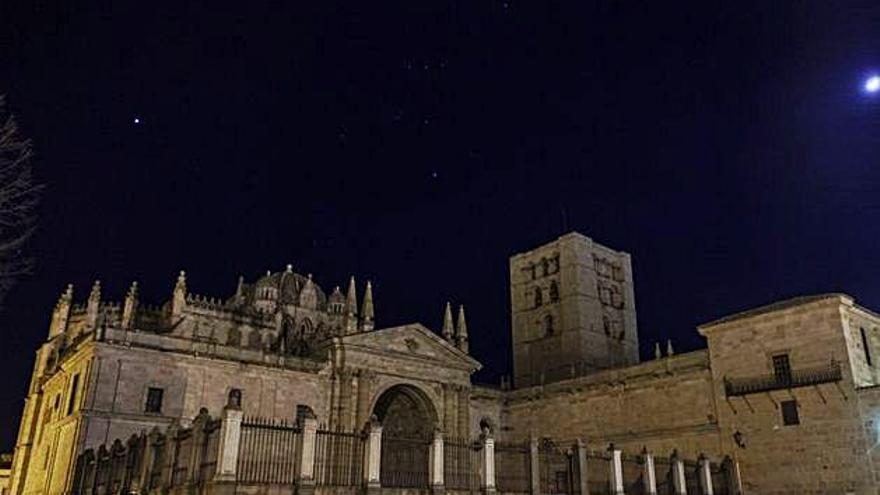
{"x":19,"y":197}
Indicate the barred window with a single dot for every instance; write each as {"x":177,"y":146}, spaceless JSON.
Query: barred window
{"x":790,"y":413}
{"x":782,"y":368}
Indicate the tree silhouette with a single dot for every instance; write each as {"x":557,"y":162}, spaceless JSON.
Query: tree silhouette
{"x":19,"y":196}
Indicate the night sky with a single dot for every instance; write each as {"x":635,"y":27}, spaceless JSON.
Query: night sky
{"x":729,"y":146}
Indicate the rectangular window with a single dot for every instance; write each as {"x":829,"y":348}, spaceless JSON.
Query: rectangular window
{"x":154,"y":400}
{"x":865,"y":346}
{"x":74,"y":388}
{"x":782,"y":368}
{"x":790,"y":413}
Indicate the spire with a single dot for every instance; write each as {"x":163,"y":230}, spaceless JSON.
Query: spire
{"x":350,"y":311}
{"x":61,"y":312}
{"x":93,"y":303}
{"x":130,"y":305}
{"x":448,"y":329}
{"x":178,"y":300}
{"x":239,"y":289}
{"x":367,"y":309}
{"x":669,"y":351}
{"x":657,"y":353}
{"x":461,"y":334}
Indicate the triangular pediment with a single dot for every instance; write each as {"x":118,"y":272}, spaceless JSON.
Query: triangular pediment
{"x":413,"y":341}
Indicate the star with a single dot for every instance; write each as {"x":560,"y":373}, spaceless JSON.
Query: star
{"x":137,"y":120}
{"x":434,"y":174}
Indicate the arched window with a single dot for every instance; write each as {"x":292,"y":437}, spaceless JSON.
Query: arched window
{"x":554,"y":291}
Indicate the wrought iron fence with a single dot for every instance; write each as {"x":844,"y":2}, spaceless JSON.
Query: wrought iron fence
{"x":512,"y":467}
{"x":797,"y":378}
{"x":555,"y":468}
{"x":633,"y":471}
{"x":168,"y":459}
{"x":720,"y":480}
{"x":598,"y":472}
{"x":692,"y":477}
{"x":268,"y":451}
{"x":461,"y":469}
{"x":339,"y":458}
{"x":663,"y":475}
{"x":404,"y":462}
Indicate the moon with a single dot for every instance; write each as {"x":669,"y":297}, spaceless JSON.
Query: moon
{"x":872,"y":84}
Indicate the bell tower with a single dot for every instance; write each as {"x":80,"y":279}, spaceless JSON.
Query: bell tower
{"x":573,"y":310}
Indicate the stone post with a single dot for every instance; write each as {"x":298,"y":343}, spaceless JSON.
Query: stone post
{"x":170,"y":458}
{"x":732,"y":475}
{"x":152,"y":442}
{"x":305,"y":480}
{"x":227,"y":445}
{"x":706,"y":476}
{"x":649,"y":476}
{"x":373,"y":457}
{"x":435,"y":463}
{"x":582,"y":466}
{"x":534,"y":470}
{"x":679,"y":482}
{"x":198,"y":440}
{"x":487,"y":462}
{"x":615,"y":470}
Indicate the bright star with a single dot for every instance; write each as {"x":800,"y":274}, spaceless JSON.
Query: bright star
{"x":872,"y":85}
{"x":137,"y":120}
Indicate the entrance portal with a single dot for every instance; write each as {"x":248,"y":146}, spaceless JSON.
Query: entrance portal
{"x":408,"y":420}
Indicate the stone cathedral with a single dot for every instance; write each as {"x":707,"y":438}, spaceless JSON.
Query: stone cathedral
{"x":790,"y":392}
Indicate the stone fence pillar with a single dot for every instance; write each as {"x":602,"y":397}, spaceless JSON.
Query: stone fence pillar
{"x":435,"y":463}
{"x":649,"y":476}
{"x":373,"y":457}
{"x":581,"y":448}
{"x":615,"y":470}
{"x":305,"y":479}
{"x":487,"y":463}
{"x":679,"y":482}
{"x":197,"y":441}
{"x":706,"y":476}
{"x":227,"y":444}
{"x":534,"y":471}
{"x":732,"y":475}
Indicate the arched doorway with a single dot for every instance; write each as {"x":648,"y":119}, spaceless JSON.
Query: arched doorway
{"x":408,"y":419}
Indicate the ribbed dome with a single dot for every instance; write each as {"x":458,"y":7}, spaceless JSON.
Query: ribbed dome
{"x":286,"y":287}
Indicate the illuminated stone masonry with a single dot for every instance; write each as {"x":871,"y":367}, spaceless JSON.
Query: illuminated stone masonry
{"x":284,"y":387}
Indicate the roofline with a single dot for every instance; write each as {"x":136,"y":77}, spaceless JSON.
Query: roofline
{"x":776,"y":306}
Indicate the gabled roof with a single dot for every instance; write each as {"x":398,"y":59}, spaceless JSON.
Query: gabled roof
{"x":412,"y":340}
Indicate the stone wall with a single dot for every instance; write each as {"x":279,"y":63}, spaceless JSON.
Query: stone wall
{"x":826,"y":452}
{"x":664,"y":404}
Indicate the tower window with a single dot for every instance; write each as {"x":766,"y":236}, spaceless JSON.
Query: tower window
{"x":790,"y":413}
{"x":154,"y":400}
{"x":539,"y":297}
{"x":74,"y":388}
{"x":554,"y":292}
{"x":865,"y":346}
{"x":782,"y":368}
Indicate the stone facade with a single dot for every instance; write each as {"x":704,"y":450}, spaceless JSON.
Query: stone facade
{"x":797,"y":377}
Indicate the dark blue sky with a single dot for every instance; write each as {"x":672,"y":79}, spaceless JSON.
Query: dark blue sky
{"x":726,"y":145}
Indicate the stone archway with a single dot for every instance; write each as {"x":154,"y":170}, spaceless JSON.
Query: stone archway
{"x":408,"y":419}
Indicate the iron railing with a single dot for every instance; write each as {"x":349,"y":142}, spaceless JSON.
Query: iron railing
{"x":267,"y":451}
{"x":339,"y":458}
{"x":404,"y":462}
{"x":461,"y":468}
{"x":512,"y":467}
{"x":803,"y":377}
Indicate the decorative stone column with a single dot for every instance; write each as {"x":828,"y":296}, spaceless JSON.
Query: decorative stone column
{"x":373,"y":457}
{"x":679,"y":482}
{"x":230,"y":437}
{"x":649,"y":475}
{"x":615,"y":470}
{"x":449,"y":409}
{"x":435,"y":463}
{"x":534,"y":472}
{"x":364,"y":389}
{"x":305,"y":480}
{"x":581,"y":448}
{"x":706,"y":476}
{"x":487,"y":462}
{"x":170,"y":456}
